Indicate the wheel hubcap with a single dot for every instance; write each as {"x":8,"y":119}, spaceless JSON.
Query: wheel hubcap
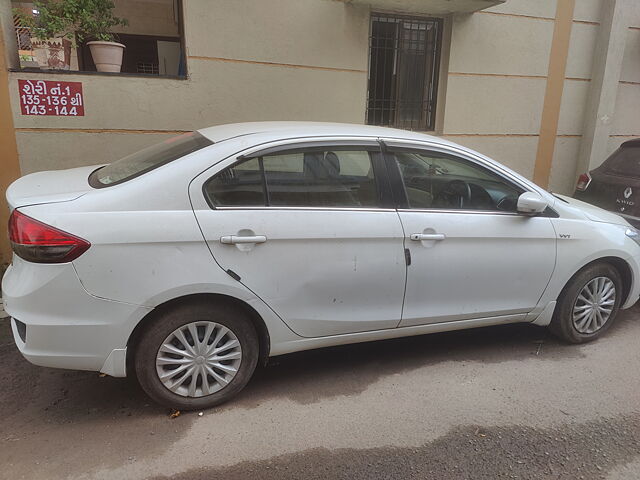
{"x":594,"y":305}
{"x":198,"y":359}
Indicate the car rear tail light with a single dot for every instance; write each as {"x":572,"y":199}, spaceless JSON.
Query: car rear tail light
{"x":37,"y":242}
{"x":583,"y":182}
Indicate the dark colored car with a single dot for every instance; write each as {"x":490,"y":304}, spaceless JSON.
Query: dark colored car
{"x":615,"y":185}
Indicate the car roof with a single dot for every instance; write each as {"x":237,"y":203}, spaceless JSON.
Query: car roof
{"x":285,"y":130}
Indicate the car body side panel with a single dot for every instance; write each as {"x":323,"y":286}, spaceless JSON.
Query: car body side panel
{"x":147,"y":258}
{"x":147,"y":249}
{"x":324,"y":272}
{"x":486,"y":265}
{"x":580,"y":243}
{"x":66,"y":326}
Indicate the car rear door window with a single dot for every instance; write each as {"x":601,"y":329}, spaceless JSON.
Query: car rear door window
{"x":341,"y":178}
{"x":241,"y":185}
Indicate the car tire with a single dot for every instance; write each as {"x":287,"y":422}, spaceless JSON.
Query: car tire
{"x":573,"y":320}
{"x":162,"y":345}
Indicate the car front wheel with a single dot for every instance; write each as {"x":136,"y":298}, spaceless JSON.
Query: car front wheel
{"x":588,"y":305}
{"x":197,"y":355}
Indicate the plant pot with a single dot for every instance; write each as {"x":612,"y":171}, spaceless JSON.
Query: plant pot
{"x":52,"y":53}
{"x":107,"y":55}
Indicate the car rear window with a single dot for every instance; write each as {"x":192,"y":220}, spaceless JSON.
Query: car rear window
{"x":148,"y":159}
{"x":624,"y":161}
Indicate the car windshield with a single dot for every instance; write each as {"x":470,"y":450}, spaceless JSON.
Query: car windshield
{"x":148,"y":159}
{"x":624,"y":161}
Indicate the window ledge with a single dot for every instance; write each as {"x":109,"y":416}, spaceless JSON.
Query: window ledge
{"x":101,"y":74}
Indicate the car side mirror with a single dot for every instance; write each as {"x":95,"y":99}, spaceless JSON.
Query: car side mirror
{"x":531,"y":203}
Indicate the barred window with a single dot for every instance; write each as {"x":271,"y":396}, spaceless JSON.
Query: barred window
{"x":404,"y":55}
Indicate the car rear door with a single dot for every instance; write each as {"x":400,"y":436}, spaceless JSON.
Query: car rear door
{"x":312,"y":231}
{"x":471,"y":258}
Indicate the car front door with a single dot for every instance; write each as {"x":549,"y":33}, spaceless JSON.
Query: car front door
{"x":310,"y":230}
{"x":472,"y":255}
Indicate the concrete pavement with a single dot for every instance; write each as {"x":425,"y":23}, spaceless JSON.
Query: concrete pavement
{"x":506,"y":402}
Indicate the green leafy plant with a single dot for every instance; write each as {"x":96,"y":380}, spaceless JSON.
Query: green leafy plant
{"x":72,"y":19}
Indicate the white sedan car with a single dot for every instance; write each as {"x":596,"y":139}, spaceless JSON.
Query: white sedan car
{"x":194,"y":260}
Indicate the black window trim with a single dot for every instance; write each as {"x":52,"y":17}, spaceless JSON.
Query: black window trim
{"x":306,"y":145}
{"x":380,"y":174}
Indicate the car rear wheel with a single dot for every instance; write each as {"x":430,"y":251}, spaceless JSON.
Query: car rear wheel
{"x":588,"y":305}
{"x":197,"y":355}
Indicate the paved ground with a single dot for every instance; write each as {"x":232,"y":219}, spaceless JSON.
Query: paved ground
{"x":507,"y":402}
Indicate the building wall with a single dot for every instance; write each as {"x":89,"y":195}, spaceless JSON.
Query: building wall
{"x":309,"y":63}
{"x":498,"y":71}
{"x":252,"y":60}
{"x":584,"y":34}
{"x":496,"y":84}
{"x":626,"y":123}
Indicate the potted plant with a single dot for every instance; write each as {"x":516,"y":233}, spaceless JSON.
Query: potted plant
{"x":57,"y":21}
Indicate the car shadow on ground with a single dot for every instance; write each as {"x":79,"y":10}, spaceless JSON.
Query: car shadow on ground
{"x":304,"y":377}
{"x":65,"y":395}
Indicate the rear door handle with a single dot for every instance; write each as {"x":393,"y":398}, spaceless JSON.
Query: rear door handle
{"x":234,"y":239}
{"x":421,"y":237}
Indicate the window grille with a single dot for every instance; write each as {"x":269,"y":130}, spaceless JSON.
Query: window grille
{"x":149,"y":68}
{"x":404,"y":55}
{"x":23,"y":34}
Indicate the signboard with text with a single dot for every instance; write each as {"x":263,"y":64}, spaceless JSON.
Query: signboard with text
{"x":44,"y":97}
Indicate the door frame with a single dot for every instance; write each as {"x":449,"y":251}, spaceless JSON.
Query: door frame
{"x":200,"y":201}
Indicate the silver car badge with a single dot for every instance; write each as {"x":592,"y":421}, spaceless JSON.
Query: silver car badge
{"x":627,"y":192}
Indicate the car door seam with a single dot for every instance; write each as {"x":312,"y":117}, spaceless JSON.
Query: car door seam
{"x":406,"y":268}
{"x":553,"y":270}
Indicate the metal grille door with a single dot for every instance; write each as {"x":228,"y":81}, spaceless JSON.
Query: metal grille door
{"x":403,"y":71}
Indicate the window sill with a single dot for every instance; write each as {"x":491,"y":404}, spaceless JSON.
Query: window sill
{"x":101,"y":74}
{"x":433,"y":133}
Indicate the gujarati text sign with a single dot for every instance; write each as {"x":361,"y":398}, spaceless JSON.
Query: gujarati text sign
{"x":43,"y":97}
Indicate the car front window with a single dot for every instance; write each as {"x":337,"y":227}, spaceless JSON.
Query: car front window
{"x":438,"y":181}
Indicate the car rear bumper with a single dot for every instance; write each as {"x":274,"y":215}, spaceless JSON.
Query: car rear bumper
{"x":56,"y":323}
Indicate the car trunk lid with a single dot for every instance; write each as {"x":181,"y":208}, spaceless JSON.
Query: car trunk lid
{"x":615,"y":193}
{"x":49,"y":187}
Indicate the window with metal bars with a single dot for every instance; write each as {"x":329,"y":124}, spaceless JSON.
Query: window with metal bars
{"x":23,"y":34}
{"x":404,"y":55}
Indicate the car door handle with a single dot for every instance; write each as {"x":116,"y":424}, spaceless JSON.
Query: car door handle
{"x":421,"y":237}
{"x":234,"y":239}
